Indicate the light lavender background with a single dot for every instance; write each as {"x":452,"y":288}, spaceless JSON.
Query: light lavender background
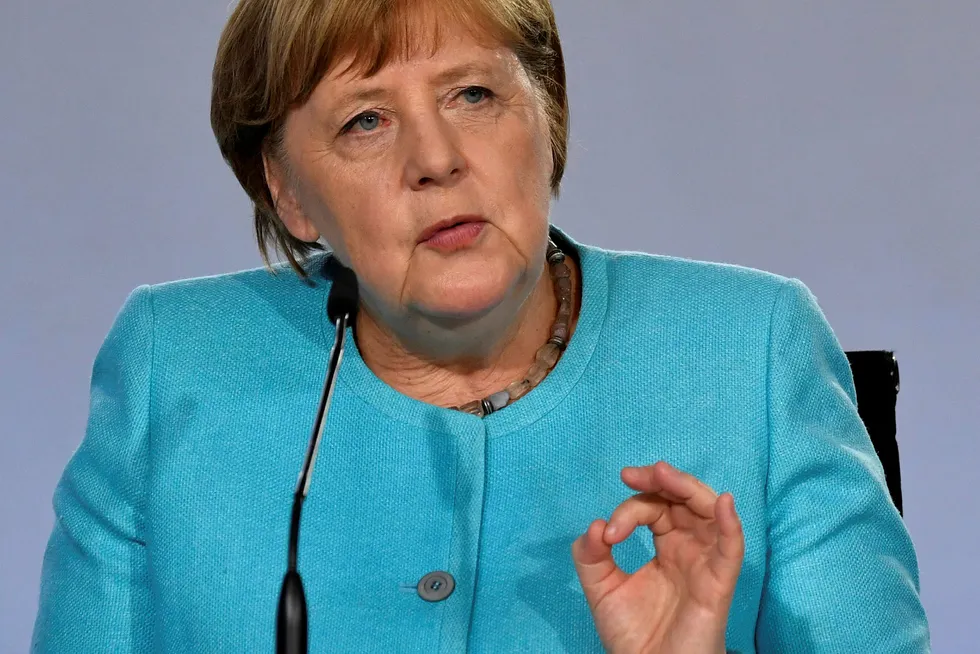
{"x":838,"y":142}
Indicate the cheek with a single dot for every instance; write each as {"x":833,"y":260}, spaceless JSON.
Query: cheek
{"x":368,"y":228}
{"x":524,"y":159}
{"x":355,"y":209}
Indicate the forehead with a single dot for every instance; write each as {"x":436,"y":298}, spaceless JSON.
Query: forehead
{"x":448,"y":64}
{"x":437,"y":43}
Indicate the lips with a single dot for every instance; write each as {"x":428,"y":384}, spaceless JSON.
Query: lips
{"x":434,"y":229}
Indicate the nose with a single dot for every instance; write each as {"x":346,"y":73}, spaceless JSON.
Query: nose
{"x":434,"y":155}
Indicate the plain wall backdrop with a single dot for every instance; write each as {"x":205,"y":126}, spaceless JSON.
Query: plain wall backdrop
{"x":837,"y":142}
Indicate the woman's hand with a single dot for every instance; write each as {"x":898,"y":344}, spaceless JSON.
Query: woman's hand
{"x":678,"y":602}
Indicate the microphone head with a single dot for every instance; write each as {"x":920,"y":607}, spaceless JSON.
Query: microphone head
{"x":343,"y":296}
{"x":292,"y":626}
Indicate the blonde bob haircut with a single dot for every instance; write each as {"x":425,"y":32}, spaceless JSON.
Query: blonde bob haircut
{"x":273,"y":53}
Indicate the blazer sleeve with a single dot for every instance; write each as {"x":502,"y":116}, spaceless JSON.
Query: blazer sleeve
{"x":94,"y":595}
{"x":842,"y":573}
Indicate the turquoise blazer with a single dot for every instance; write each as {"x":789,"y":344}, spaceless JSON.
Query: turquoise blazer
{"x":171,"y":518}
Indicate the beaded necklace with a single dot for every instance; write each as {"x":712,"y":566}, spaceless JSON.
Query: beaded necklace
{"x":547,"y":355}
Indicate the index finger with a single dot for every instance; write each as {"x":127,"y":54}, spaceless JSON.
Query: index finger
{"x":663,"y":479}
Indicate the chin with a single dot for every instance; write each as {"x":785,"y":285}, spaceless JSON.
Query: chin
{"x":452,"y":299}
{"x":470,"y":285}
{"x":463,"y":305}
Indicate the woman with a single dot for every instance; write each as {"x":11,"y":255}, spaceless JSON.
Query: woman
{"x":508,"y":410}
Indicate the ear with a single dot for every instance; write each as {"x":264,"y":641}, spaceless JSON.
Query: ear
{"x":284,"y":199}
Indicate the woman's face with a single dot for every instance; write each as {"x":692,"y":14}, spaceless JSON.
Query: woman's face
{"x":373,"y":163}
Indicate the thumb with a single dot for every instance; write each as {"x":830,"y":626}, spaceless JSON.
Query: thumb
{"x":730,"y":548}
{"x":597,"y":571}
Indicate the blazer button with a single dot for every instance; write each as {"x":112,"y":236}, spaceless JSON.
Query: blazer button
{"x":436,"y":586}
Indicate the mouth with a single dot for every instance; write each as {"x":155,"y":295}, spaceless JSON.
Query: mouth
{"x":445,"y":225}
{"x":453,"y":234}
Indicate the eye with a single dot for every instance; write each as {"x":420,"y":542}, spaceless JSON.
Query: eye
{"x":367,"y":121}
{"x":474,"y":94}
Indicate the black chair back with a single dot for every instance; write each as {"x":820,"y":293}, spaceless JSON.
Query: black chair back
{"x":876,"y":383}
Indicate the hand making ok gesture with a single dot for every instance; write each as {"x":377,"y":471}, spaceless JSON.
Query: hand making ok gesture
{"x":678,"y":602}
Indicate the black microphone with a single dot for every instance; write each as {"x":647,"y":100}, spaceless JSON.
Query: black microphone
{"x":292,"y":632}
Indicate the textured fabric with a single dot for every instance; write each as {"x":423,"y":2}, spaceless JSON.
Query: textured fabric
{"x":172,"y":516}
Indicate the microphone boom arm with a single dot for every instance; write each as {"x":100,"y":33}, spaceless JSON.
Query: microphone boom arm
{"x":291,"y":620}
{"x":306,"y":473}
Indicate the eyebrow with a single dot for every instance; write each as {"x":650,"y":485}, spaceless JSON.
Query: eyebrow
{"x":451,"y":74}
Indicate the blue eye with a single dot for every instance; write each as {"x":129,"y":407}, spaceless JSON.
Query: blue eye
{"x":366,"y":121}
{"x":474,"y":94}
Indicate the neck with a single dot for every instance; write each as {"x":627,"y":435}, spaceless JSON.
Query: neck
{"x":490,"y":363}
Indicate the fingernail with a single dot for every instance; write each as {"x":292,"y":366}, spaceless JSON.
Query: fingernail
{"x":612,"y":530}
